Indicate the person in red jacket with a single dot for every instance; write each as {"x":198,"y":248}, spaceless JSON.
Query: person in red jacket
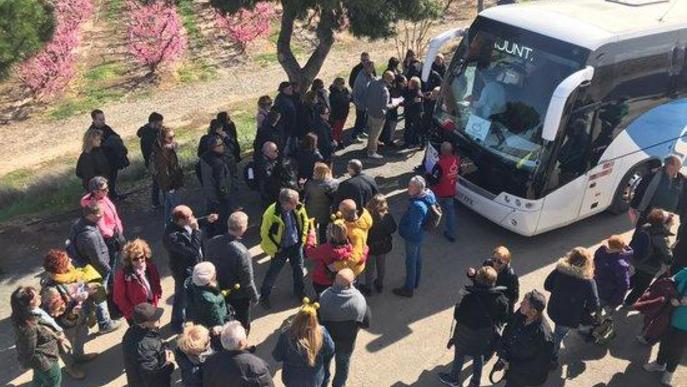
{"x":337,"y":248}
{"x":138,"y":281}
{"x":442,"y":181}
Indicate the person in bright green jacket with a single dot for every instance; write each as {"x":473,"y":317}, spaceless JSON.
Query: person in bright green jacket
{"x":283,"y":233}
{"x":674,"y":341}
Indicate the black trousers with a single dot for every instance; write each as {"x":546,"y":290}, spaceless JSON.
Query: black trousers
{"x":640,"y":282}
{"x":242,"y":309}
{"x":673,"y":346}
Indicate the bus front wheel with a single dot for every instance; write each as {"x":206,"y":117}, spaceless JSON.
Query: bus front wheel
{"x":626,"y":189}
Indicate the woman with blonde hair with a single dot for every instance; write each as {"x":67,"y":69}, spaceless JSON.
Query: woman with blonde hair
{"x":138,"y":280}
{"x":92,"y":161}
{"x":318,"y":197}
{"x":304,"y":348}
{"x":380,"y":242}
{"x":573,"y":294}
{"x":193,"y":348}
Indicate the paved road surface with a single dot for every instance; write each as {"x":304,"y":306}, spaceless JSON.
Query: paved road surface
{"x":406,"y":343}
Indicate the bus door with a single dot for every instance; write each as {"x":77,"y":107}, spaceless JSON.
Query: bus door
{"x":600,"y":176}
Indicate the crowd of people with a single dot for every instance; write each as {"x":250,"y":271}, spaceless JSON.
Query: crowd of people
{"x":346,"y":229}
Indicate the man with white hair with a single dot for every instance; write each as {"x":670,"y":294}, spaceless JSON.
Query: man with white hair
{"x":235,"y":364}
{"x":411,"y":229}
{"x":234,"y":266}
{"x":283,"y":233}
{"x":378,"y":102}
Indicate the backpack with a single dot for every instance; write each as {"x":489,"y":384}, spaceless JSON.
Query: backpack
{"x":73,"y":251}
{"x":434,"y":213}
{"x":249,"y":176}
{"x":641,"y":245}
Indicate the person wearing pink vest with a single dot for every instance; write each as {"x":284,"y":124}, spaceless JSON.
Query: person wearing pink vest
{"x":442,"y":181}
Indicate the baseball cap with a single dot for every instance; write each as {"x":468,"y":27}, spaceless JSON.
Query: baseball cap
{"x":145,"y":312}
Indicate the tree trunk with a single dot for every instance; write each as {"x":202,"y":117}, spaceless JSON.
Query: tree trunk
{"x":303,"y":76}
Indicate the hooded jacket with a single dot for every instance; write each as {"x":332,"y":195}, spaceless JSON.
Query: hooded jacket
{"x":528,"y":349}
{"x":273,"y":226}
{"x":323,"y":256}
{"x":357,"y":235}
{"x":660,"y":252}
{"x":206,"y":305}
{"x":573,"y":294}
{"x":413,"y":220}
{"x":145,"y":361}
{"x":129,"y":290}
{"x":90,"y":246}
{"x":612,"y":274}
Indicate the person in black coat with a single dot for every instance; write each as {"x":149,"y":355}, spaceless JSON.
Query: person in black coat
{"x":147,"y":360}
{"x":359,"y":187}
{"x":149,"y":134}
{"x":479,"y":315}
{"x":380,"y":242}
{"x":220,"y":182}
{"x":307,"y":156}
{"x":340,"y":104}
{"x":236,"y":365}
{"x":232,"y":137}
{"x":271,"y":130}
{"x":182,"y":240}
{"x":92,"y":161}
{"x":507,"y":279}
{"x":285,"y":104}
{"x":321,"y":127}
{"x":573,"y":294}
{"x":526,"y":347}
{"x":273,"y":173}
{"x":114,"y":148}
{"x":234,"y":266}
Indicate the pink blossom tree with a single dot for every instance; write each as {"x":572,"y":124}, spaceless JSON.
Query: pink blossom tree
{"x":50,"y":70}
{"x":155,"y":34}
{"x":246,"y":25}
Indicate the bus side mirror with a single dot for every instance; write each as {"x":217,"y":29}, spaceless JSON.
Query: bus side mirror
{"x":560,"y":96}
{"x":434,"y":47}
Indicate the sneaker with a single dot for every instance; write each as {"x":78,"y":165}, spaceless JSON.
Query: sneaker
{"x":85,"y":358}
{"x":403,"y":292}
{"x":111,"y":327}
{"x":356,"y":140}
{"x":375,"y":156}
{"x":265,"y":303}
{"x":654,"y":367}
{"x":448,"y":380}
{"x":449,"y":237}
{"x":75,"y":372}
{"x":641,"y":339}
{"x":667,"y":379}
{"x":363,"y":135}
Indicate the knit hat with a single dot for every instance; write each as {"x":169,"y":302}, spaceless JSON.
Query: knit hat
{"x":536,"y":300}
{"x":203,"y":273}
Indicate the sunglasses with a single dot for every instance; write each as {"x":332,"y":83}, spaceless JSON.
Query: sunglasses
{"x":138,"y":259}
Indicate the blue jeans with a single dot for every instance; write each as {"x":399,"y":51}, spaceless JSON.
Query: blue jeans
{"x":343,"y":363}
{"x":178,"y":304}
{"x":447,"y":206}
{"x":102,"y":315}
{"x":169,"y":201}
{"x":294,"y":255}
{"x":413,"y":265}
{"x":459,"y":361}
{"x":559,"y":333}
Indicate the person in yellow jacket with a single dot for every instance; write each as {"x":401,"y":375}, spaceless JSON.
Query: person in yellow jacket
{"x":283,"y":233}
{"x":358,"y":225}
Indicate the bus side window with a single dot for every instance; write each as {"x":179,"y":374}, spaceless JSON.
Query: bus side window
{"x":573,"y":157}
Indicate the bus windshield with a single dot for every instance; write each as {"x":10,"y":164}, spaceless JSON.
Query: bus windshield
{"x":499,"y":86}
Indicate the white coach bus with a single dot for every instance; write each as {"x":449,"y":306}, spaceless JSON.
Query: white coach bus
{"x":559,"y":107}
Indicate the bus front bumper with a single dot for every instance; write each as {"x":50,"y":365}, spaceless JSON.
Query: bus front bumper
{"x":505,"y":210}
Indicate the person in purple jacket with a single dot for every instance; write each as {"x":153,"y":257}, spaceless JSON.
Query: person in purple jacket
{"x":612,"y":272}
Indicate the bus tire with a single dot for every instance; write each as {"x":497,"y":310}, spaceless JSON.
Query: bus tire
{"x":625,"y":191}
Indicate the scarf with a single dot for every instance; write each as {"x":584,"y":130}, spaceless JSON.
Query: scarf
{"x":140,"y":274}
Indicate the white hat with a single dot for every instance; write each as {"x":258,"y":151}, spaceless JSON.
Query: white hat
{"x":203,"y":273}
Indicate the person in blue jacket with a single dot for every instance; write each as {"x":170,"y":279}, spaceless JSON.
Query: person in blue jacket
{"x":304,"y":348}
{"x":674,"y":342}
{"x":411,"y":229}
